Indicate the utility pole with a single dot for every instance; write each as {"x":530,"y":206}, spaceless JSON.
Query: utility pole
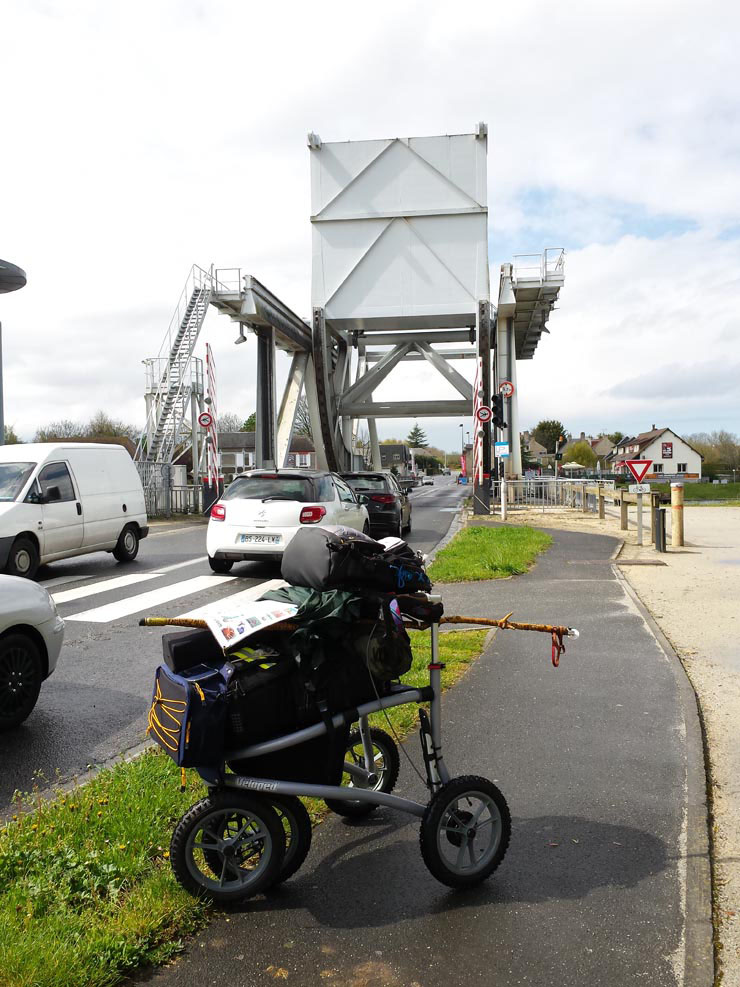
{"x":11,"y":279}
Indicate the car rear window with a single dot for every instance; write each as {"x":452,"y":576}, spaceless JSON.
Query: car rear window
{"x":361,"y":484}
{"x":274,"y":487}
{"x":13,"y":478}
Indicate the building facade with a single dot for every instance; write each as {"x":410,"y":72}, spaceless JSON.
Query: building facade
{"x":672,"y":457}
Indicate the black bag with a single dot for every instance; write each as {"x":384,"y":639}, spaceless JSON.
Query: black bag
{"x":334,"y":557}
{"x":188,"y":714}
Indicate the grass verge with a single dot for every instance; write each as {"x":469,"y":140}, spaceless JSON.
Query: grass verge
{"x":702,"y":491}
{"x":86,"y":890}
{"x":482,"y":552}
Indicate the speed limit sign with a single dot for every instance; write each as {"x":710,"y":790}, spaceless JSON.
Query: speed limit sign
{"x":506,"y":388}
{"x":205,"y":419}
{"x":484,"y":414}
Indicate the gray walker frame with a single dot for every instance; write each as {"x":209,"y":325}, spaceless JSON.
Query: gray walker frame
{"x":431,"y":734}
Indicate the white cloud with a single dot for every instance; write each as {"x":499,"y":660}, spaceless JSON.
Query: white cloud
{"x":147,"y":136}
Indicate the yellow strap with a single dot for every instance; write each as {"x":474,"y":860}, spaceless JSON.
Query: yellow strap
{"x":182,"y":779}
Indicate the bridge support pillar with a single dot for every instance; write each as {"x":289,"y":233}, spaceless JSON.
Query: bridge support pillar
{"x":482,"y":491}
{"x":265,"y":444}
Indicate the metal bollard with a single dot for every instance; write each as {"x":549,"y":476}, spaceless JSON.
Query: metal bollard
{"x":659,"y":528}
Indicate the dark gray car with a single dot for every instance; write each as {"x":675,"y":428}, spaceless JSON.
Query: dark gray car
{"x":388,"y":507}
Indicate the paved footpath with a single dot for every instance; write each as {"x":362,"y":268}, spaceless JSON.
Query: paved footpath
{"x":606,"y":878}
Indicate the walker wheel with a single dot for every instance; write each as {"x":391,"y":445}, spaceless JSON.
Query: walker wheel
{"x":228,"y":847}
{"x":465,"y":831}
{"x":387,"y":764}
{"x":296,"y":823}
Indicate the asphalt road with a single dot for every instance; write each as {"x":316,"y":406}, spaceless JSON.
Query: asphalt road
{"x":94,"y":705}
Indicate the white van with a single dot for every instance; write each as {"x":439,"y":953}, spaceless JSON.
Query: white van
{"x":59,"y":499}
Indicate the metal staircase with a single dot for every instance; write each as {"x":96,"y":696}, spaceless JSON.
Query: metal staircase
{"x":173,"y":373}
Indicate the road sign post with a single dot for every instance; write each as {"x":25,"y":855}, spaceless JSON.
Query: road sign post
{"x":639,"y":519}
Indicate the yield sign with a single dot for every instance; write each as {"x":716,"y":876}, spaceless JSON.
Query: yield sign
{"x":638,"y":467}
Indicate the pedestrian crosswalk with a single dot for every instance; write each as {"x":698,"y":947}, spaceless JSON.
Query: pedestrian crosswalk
{"x":159,"y":600}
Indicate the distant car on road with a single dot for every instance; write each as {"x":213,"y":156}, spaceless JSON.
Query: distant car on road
{"x":260,"y":512}
{"x":388,"y":505}
{"x":31,"y":635}
{"x":427,"y":481}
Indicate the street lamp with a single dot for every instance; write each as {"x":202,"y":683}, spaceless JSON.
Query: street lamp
{"x":11,"y":279}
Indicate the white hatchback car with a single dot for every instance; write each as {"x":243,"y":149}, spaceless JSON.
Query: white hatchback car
{"x":31,"y":635}
{"x":261,"y":511}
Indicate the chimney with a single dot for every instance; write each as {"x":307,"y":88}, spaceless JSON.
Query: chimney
{"x":652,"y":427}
{"x":583,"y":435}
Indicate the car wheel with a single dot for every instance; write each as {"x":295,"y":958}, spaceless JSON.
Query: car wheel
{"x":397,"y":529}
{"x":407,"y":529}
{"x":23,"y":559}
{"x":366,"y":528}
{"x":127,"y":547}
{"x":21,"y":675}
{"x":222,"y":566}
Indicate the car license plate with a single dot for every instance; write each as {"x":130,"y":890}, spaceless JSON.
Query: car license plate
{"x":261,"y":539}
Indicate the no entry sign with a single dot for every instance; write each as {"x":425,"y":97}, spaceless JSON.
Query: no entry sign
{"x":638,"y":467}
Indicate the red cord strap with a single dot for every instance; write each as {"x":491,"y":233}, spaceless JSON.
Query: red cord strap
{"x":558,"y":648}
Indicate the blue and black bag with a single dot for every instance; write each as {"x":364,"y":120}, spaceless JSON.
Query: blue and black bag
{"x":187,"y":717}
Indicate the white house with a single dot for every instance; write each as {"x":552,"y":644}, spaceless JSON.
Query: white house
{"x":672,"y":457}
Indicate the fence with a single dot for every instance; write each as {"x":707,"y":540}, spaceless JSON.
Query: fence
{"x":162,"y":497}
{"x":551,"y":492}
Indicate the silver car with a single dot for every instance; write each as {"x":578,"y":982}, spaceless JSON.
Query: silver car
{"x":31,"y":635}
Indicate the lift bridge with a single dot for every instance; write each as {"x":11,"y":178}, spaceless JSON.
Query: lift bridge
{"x":400,"y":271}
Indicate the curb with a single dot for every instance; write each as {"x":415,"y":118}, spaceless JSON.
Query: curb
{"x":699,"y":967}
{"x":455,"y":525}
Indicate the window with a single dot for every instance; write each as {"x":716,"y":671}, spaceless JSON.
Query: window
{"x":57,"y":475}
{"x":657,"y":467}
{"x":682,"y":467}
{"x":365,"y":484}
{"x":396,"y":457}
{"x":13,"y":478}
{"x":325,"y":490}
{"x":249,"y":459}
{"x":270,"y":486}
{"x":303,"y":459}
{"x":345,"y":494}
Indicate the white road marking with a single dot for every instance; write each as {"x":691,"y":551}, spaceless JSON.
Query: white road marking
{"x":103,"y":586}
{"x":246,"y":596}
{"x":181,"y":565}
{"x":61,"y":580}
{"x":154,"y":598}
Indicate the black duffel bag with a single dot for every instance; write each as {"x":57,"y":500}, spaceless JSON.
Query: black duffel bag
{"x":342,"y":558}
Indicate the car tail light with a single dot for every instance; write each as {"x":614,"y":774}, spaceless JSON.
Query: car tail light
{"x":383,"y":498}
{"x":312,"y":515}
{"x":218,"y":512}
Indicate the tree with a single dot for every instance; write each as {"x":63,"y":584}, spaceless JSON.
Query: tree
{"x":250,"y":425}
{"x":615,"y":437}
{"x":229,"y":422}
{"x":428,"y":463}
{"x":63,"y":429}
{"x":102,"y":425}
{"x":416,"y":437}
{"x":547,"y":433}
{"x":11,"y":438}
{"x":580,"y":452}
{"x":393,"y":442}
{"x":303,"y":419}
{"x":528,"y":462}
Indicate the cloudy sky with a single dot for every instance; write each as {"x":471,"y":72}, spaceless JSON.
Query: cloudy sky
{"x":139,"y":138}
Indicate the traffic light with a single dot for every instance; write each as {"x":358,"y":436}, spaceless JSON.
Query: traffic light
{"x":497,"y":407}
